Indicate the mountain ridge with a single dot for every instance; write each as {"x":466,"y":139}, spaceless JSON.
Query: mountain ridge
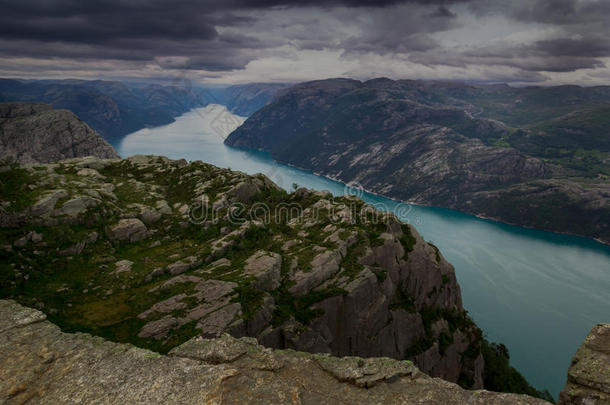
{"x":414,"y":142}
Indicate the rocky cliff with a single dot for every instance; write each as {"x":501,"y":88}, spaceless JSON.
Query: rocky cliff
{"x":40,"y":364}
{"x":450,"y":145}
{"x":36,"y":133}
{"x":589,"y":374}
{"x":154,"y":252}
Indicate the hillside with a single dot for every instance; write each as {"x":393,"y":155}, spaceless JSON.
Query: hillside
{"x":536,"y":157}
{"x":36,"y":133}
{"x":124,"y":249}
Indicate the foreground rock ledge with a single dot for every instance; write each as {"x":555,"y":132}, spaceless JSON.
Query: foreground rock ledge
{"x":39,"y":363}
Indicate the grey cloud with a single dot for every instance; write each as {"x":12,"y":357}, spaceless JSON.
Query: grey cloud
{"x":222,"y":36}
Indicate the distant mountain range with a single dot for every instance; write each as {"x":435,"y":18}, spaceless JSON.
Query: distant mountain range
{"x":533,"y":156}
{"x":115,"y":109}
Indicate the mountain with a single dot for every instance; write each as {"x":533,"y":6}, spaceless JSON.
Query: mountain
{"x":245,"y":99}
{"x":36,"y":133}
{"x":65,"y":368}
{"x":115,"y":109}
{"x":154,"y":252}
{"x":536,"y":157}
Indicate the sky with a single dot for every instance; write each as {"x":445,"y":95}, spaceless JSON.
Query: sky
{"x":543,"y":42}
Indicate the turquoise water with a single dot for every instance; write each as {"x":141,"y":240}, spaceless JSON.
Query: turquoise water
{"x":537,"y":292}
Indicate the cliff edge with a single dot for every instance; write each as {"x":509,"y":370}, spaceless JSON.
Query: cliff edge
{"x":39,"y":363}
{"x":589,"y":373}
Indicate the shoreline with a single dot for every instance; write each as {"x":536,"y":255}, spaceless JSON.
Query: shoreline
{"x":417,"y":204}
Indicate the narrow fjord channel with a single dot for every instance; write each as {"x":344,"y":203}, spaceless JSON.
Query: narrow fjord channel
{"x":537,"y":292}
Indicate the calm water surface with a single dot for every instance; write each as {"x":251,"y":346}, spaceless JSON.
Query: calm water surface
{"x":537,"y":292}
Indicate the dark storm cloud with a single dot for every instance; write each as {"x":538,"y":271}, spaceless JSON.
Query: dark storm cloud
{"x":226,"y":35}
{"x":135,"y":30}
{"x":400,"y":30}
{"x":561,"y":12}
{"x":555,"y":55}
{"x":145,"y":30}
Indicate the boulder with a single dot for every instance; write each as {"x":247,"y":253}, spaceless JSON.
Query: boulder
{"x":323,"y":266}
{"x":33,"y":237}
{"x":122,"y":266}
{"x":243,"y":192}
{"x":88,"y":172}
{"x":128,"y":230}
{"x":46,"y":204}
{"x":265,"y":267}
{"x":73,"y":250}
{"x":183,"y":265}
{"x":158,"y":329}
{"x":163,"y":207}
{"x":78,"y":206}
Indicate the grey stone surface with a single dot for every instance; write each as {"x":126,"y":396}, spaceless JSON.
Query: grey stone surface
{"x":589,"y":373}
{"x":35,"y":133}
{"x":265,"y":268}
{"x":41,"y":364}
{"x":130,"y":229}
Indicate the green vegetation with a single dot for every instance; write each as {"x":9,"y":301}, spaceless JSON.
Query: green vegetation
{"x":420,"y":346}
{"x":501,"y":376}
{"x":437,"y":253}
{"x":407,"y":240}
{"x":403,"y":300}
{"x":287,"y":305}
{"x":14,"y":183}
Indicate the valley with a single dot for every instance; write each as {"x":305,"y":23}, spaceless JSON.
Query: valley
{"x":535,"y":291}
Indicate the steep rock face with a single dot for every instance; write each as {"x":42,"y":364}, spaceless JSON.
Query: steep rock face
{"x":40,"y":364}
{"x":589,"y":374}
{"x":394,"y":303}
{"x":437,"y":146}
{"x":35,"y":133}
{"x":152,"y":251}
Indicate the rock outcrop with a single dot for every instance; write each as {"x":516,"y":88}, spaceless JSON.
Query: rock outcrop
{"x":224,"y":252}
{"x":449,"y":145}
{"x":41,"y":364}
{"x":589,"y":374}
{"x":35,"y":133}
